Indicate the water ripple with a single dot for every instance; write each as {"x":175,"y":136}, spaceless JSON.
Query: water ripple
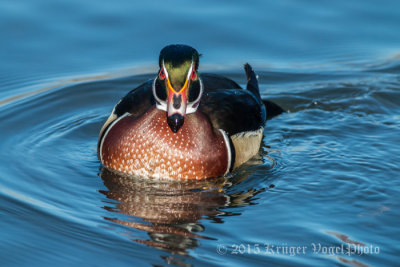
{"x":326,"y":166}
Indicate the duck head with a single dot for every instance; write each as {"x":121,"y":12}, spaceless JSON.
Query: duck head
{"x":177,"y":88}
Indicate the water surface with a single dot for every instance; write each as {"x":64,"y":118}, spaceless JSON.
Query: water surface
{"x":324,"y":189}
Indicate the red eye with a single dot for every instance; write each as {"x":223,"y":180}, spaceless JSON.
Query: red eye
{"x":161,"y":74}
{"x":193,"y":76}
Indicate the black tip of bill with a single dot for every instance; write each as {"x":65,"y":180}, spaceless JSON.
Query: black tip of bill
{"x":175,"y":122}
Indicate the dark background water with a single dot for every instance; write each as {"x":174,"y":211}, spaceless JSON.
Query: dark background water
{"x":327,"y":174}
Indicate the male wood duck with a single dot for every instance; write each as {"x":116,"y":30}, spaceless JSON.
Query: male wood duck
{"x":182,"y":125}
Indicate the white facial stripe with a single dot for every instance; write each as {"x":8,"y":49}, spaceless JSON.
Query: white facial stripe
{"x":190,"y":71}
{"x":160,"y":104}
{"x":192,"y":106}
{"x":165,"y":69}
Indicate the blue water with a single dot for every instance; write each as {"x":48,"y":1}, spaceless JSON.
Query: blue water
{"x":325,"y":189}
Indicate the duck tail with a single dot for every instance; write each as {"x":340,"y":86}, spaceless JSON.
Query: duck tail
{"x":272,"y":108}
{"x":252,"y":82}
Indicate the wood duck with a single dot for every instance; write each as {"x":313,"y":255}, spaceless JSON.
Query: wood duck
{"x":182,"y":125}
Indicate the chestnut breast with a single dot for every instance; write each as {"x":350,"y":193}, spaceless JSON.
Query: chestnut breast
{"x":146,"y":146}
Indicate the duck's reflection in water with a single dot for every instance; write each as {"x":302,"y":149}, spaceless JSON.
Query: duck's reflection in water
{"x":170,"y":211}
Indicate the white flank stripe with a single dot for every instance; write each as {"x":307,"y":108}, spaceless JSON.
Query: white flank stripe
{"x":104,"y":136}
{"x":228,"y":147}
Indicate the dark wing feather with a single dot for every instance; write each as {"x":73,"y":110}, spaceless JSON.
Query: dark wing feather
{"x":214,"y":82}
{"x":234,"y":110}
{"x":137,"y":101}
{"x":230,"y":107}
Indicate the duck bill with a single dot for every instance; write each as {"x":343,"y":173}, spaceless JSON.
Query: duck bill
{"x":176,"y":107}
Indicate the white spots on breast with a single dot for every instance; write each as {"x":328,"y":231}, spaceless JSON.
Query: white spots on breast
{"x":153,"y":150}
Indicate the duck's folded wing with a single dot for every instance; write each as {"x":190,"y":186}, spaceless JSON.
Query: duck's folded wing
{"x":215,"y":82}
{"x":241,"y":116}
{"x":234,"y":110}
{"x":136,"y":102}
